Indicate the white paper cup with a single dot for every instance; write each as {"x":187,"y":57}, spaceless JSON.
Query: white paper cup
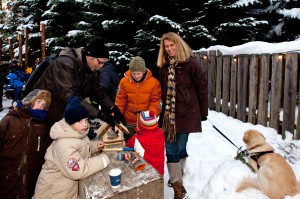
{"x":115,"y":177}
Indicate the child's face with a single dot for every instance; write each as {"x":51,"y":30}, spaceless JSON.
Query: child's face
{"x":137,"y":75}
{"x":39,"y":104}
{"x":81,"y":126}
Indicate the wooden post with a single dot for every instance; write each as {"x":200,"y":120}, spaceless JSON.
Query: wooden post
{"x":43,"y":38}
{"x":11,"y":52}
{"x":20,"y":50}
{"x":26,"y":47}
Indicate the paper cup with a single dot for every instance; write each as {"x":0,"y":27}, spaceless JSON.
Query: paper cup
{"x":115,"y":177}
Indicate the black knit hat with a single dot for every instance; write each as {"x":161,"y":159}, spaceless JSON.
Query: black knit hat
{"x":74,"y":111}
{"x":96,"y":48}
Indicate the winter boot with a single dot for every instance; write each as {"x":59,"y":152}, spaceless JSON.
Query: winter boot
{"x":182,"y":163}
{"x":176,"y":180}
{"x":179,"y":190}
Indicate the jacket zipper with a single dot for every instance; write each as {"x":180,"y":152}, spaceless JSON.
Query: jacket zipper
{"x":39,"y":142}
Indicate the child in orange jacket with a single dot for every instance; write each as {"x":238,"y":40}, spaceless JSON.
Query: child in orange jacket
{"x":149,"y":140}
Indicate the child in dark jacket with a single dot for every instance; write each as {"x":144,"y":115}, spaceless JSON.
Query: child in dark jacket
{"x":149,"y":140}
{"x":24,"y":138}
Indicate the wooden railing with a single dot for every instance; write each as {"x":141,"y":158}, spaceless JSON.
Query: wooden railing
{"x":260,"y":89}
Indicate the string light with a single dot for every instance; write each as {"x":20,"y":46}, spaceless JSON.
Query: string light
{"x":280,"y":56}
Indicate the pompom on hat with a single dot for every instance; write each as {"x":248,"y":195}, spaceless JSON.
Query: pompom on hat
{"x":147,"y":120}
{"x":96,"y":48}
{"x":37,"y":94}
{"x":75,"y":111}
{"x":137,"y":64}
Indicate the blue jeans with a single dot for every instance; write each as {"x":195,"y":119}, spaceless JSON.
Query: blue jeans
{"x":18,"y":92}
{"x":177,"y":149}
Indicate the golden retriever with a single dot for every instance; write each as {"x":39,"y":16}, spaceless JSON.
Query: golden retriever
{"x":275,"y":177}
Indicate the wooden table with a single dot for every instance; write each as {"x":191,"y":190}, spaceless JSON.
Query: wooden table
{"x":145,"y":184}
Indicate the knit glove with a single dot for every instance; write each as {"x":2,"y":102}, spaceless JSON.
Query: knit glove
{"x":109,"y":119}
{"x":118,"y":116}
{"x":133,"y":160}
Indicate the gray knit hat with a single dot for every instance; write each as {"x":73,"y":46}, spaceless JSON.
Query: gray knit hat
{"x":137,"y":64}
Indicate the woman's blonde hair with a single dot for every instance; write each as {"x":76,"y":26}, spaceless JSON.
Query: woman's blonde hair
{"x":183,"y":50}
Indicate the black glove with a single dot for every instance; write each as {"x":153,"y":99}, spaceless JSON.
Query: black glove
{"x":203,"y":118}
{"x":91,"y":134}
{"x":118,"y":116}
{"x":109,"y":119}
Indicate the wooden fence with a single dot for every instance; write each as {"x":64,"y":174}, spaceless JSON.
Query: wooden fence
{"x":260,"y":89}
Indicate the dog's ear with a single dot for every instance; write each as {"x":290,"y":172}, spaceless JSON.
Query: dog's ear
{"x":253,"y":138}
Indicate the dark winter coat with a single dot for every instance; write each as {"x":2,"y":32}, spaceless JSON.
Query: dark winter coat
{"x":191,"y":95}
{"x":68,"y":75}
{"x":23,"y":144}
{"x":109,"y":80}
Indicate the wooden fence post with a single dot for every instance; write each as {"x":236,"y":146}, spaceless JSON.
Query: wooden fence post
{"x":43,"y":38}
{"x":26,"y":47}
{"x":225,"y":84}
{"x":262,"y":116}
{"x":253,"y":87}
{"x":233,"y":87}
{"x":211,"y":79}
{"x":20,"y":50}
{"x":242,"y":89}
{"x":276,"y":91}
{"x":11,"y":52}
{"x":290,"y":91}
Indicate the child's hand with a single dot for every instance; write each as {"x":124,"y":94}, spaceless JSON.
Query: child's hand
{"x":101,"y":145}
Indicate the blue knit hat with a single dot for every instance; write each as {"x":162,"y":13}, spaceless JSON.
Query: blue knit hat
{"x":74,"y":111}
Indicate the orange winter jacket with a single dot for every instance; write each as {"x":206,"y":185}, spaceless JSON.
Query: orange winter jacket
{"x":135,"y":96}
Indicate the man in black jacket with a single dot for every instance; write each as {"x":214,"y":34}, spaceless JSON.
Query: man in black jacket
{"x":74,"y":72}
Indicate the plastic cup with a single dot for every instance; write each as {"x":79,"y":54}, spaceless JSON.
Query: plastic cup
{"x":115,"y":177}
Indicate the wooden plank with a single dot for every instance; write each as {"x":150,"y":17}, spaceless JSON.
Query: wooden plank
{"x":290,"y":90}
{"x":242,"y":87}
{"x":211,"y":80}
{"x":226,"y":84}
{"x":276,"y":91}
{"x":219,"y":83}
{"x":233,"y":87}
{"x":262,"y":116}
{"x":253,"y":87}
{"x":147,"y":183}
{"x":203,"y":58}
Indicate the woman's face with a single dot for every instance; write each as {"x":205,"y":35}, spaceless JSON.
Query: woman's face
{"x":170,"y":47}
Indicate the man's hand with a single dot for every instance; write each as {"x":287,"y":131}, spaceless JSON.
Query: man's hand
{"x":118,"y":116}
{"x":109,"y":119}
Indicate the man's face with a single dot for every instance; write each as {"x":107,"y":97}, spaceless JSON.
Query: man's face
{"x":95,"y":63}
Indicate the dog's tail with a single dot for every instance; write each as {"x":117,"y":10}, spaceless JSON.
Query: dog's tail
{"x":248,"y":183}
